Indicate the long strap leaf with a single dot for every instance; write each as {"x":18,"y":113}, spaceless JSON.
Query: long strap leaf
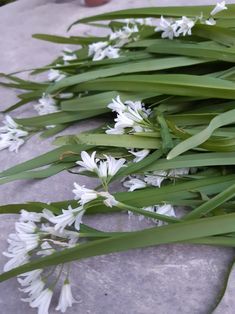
{"x":199,"y":138}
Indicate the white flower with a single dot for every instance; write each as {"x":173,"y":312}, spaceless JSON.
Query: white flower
{"x":123,"y":121}
{"x":30,"y":216}
{"x":31,"y":240}
{"x":115,"y":130}
{"x":11,"y":135}
{"x":66,"y":298}
{"x":124,"y":35}
{"x":15,"y":261}
{"x":16,"y":245}
{"x":167,"y":210}
{"x":65,"y":234}
{"x":140,"y":155}
{"x":96,"y":49}
{"x":68,"y":55}
{"x":134,"y":184}
{"x":46,"y":249}
{"x":11,"y":127}
{"x":210,"y":21}
{"x":9,"y":123}
{"x":11,"y":142}
{"x":35,"y":287}
{"x":168,"y":28}
{"x":111,"y":52}
{"x":114,"y":165}
{"x":156,"y":178}
{"x":88,"y":162}
{"x":68,"y":217}
{"x":185,"y":26}
{"x":117,"y":105}
{"x":178,"y":172}
{"x":47,"y":214}
{"x":55,"y":75}
{"x":129,"y":115}
{"x":42,"y":301}
{"x":220,"y":6}
{"x":25,"y":227}
{"x":30,"y":276}
{"x":134,"y":114}
{"x":103,"y":169}
{"x":100,"y":50}
{"x":135,"y":105}
{"x":46,"y":105}
{"x":83,"y":194}
{"x":109,"y":199}
{"x":25,"y":240}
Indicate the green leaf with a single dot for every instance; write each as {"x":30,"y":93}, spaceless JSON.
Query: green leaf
{"x":199,"y":138}
{"x":101,"y":100}
{"x":218,"y":34}
{"x":170,"y":84}
{"x":60,"y":117}
{"x":179,"y":11}
{"x":193,"y":160}
{"x":39,"y":174}
{"x":68,"y":40}
{"x":130,"y":141}
{"x":207,"y":50}
{"x":212,"y":203}
{"x":55,"y":155}
{"x":130,"y":67}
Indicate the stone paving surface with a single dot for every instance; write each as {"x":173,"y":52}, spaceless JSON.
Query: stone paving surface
{"x":186,"y":279}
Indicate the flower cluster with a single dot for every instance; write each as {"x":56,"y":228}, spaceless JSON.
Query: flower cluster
{"x":111,"y":49}
{"x":104,"y":169}
{"x":46,"y":105}
{"x":135,"y":182}
{"x":101,"y":50}
{"x":55,"y":75}
{"x":132,"y":116}
{"x":11,"y":135}
{"x":124,"y":35}
{"x":41,"y":234}
{"x":171,"y":28}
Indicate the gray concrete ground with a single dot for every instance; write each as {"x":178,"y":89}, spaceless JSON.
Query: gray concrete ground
{"x":184,"y":279}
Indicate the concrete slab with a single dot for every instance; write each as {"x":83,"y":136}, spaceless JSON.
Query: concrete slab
{"x":168,"y":279}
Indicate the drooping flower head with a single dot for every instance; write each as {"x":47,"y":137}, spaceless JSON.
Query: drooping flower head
{"x":66,"y":298}
{"x":220,"y":6}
